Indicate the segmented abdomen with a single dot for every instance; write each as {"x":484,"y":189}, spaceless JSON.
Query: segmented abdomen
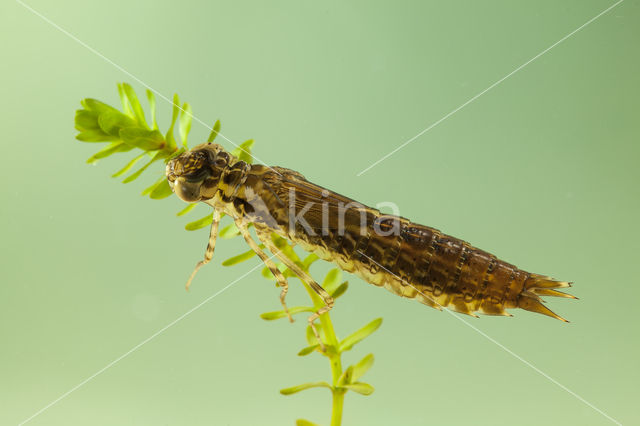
{"x":408,"y":259}
{"x":441,"y":271}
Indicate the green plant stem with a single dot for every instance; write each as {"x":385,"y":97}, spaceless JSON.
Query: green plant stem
{"x":336,"y":370}
{"x":336,"y":408}
{"x":334,"y":358}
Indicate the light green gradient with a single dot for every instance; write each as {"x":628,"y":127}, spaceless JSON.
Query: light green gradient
{"x":542,"y":170}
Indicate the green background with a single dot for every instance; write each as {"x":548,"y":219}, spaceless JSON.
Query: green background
{"x":542,"y":170}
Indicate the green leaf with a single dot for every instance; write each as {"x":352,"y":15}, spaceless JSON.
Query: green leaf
{"x":200,"y":223}
{"x":270,"y":316}
{"x":124,"y":101}
{"x":361,"y":388}
{"x":307,"y":261}
{"x":152,"y":108}
{"x":214,"y":132}
{"x":128,"y":166}
{"x":342,"y":288}
{"x":111,"y":122}
{"x":286,"y":248}
{"x":304,"y":386}
{"x":97,"y":106}
{"x":186,"y":117}
{"x":95,"y":136}
{"x":348,"y":342}
{"x":309,"y":349}
{"x":229,"y":231}
{"x":332,"y":280}
{"x":187,"y":209}
{"x":162,"y":190}
{"x":112,"y":148}
{"x":138,"y":172}
{"x":303,"y":422}
{"x":150,"y":188}
{"x":346,"y":376}
{"x":86,"y":120}
{"x":146,"y":140}
{"x":362,"y":367}
{"x":243,"y":151}
{"x":135,"y":104}
{"x":171,"y":140}
{"x":244,"y":146}
{"x":239,"y":258}
{"x":266,"y":272}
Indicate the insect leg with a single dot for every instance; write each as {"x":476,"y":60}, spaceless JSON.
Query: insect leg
{"x":208,"y":254}
{"x":265,"y":237}
{"x":280,"y":278}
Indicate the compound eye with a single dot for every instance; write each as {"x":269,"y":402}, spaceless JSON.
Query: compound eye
{"x":187,"y":191}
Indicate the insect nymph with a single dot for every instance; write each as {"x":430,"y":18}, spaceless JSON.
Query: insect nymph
{"x":410,"y":260}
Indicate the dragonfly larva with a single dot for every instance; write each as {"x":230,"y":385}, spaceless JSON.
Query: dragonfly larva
{"x":410,"y":260}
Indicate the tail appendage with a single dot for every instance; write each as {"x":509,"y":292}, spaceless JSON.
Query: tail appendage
{"x":540,"y":285}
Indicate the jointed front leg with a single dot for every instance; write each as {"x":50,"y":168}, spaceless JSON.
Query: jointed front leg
{"x":208,"y":254}
{"x":265,"y":236}
{"x":280,"y":278}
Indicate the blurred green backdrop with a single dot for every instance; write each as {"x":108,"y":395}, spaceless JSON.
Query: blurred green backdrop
{"x":542,"y":170}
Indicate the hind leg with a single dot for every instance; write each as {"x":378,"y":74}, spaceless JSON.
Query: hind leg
{"x":264,"y":234}
{"x":280,"y":278}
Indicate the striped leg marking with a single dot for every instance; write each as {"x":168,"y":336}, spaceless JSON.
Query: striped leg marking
{"x":280,"y":278}
{"x":208,"y":254}
{"x":265,"y":236}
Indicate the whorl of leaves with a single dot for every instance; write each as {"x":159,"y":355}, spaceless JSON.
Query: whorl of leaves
{"x":128,"y":130}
